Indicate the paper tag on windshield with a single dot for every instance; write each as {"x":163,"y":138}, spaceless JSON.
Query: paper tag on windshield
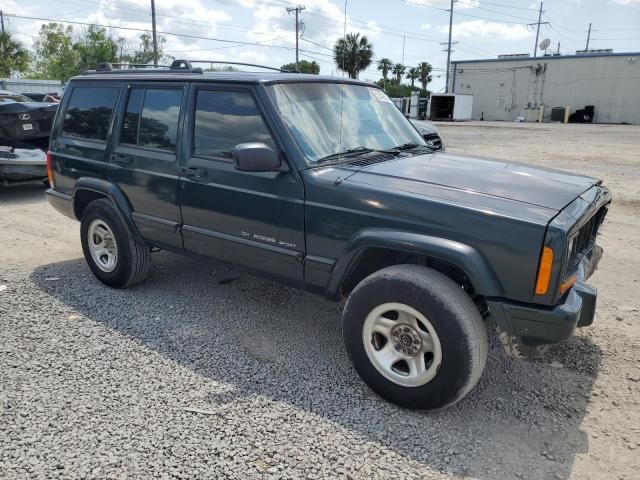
{"x":380,"y":95}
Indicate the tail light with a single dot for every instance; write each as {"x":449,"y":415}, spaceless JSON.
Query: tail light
{"x":50,"y":168}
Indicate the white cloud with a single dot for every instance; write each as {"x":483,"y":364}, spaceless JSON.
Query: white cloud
{"x":487,"y":30}
{"x":626,"y":2}
{"x":425,"y":26}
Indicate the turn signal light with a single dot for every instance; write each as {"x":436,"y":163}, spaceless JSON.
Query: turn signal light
{"x":50,"y":168}
{"x":567,"y":284}
{"x":544,"y":271}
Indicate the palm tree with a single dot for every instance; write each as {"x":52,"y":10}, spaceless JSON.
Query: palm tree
{"x":385,"y":65}
{"x":424,"y":74}
{"x":398,"y":71}
{"x":352,"y":54}
{"x":13,"y":56}
{"x":413,"y":74}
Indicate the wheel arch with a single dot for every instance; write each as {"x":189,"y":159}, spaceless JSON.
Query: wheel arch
{"x":373,"y":249}
{"x":88,"y":189}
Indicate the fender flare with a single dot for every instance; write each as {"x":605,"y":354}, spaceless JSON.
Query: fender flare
{"x":113,"y":193}
{"x":475,"y":266}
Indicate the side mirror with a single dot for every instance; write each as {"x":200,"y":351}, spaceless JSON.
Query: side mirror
{"x":256,"y":157}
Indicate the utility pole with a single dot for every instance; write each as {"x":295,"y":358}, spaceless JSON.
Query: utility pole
{"x":540,"y":22}
{"x":404,"y":39}
{"x":2,"y":20}
{"x":446,"y":86}
{"x":558,"y":48}
{"x":297,"y":9}
{"x":588,"y":37}
{"x":153,"y":27}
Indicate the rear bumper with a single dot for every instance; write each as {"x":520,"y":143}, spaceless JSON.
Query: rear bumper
{"x":523,"y":329}
{"x":13,"y":173}
{"x":61,"y":202}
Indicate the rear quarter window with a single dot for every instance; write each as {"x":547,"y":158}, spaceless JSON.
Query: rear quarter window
{"x":89,"y":112}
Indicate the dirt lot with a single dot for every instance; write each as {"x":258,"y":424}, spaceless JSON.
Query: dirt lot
{"x":206,"y":372}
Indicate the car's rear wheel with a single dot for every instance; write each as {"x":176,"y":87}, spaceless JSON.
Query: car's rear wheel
{"x":415,"y":337}
{"x":115,"y":257}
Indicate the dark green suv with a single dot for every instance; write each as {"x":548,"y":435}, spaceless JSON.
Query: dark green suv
{"x":321,"y":183}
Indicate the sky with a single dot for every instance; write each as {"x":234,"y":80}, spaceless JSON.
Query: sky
{"x":264,"y":32}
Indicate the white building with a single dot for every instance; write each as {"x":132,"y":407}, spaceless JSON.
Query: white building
{"x":513,"y":86}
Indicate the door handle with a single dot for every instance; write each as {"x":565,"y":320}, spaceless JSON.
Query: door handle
{"x":194,"y":172}
{"x":121,"y":159}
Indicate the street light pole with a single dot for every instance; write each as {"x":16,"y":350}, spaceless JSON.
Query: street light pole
{"x":297,"y":9}
{"x":446,"y":86}
{"x":153,"y":27}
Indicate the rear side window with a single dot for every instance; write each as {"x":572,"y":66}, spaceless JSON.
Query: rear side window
{"x":225,"y":119}
{"x":152,"y":117}
{"x":89,"y":112}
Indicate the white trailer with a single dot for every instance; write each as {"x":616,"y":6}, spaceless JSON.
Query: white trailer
{"x":454,"y":107}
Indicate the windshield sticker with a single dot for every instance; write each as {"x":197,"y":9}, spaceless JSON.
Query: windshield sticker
{"x":381,"y":96}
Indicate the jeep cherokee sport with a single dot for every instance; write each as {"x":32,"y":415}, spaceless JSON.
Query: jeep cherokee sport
{"x":321,"y":183}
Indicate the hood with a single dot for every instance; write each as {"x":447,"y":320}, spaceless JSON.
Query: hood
{"x":424,"y":128}
{"x":426,"y":174}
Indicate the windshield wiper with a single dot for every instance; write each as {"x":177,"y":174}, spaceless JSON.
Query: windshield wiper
{"x":354,"y":152}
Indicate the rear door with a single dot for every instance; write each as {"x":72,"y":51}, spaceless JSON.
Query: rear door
{"x":143,"y":160}
{"x":82,"y":130}
{"x":254,"y":219}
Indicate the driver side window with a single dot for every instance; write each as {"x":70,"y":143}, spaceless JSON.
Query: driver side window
{"x":224,"y":119}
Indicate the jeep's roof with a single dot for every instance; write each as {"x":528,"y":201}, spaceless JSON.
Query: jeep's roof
{"x":240,"y":77}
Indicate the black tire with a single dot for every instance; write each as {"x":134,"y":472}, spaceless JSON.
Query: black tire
{"x":454,"y":317}
{"x":134,"y":257}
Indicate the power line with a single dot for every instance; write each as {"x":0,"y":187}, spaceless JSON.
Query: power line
{"x":197,"y":37}
{"x":410,"y":2}
{"x":474,"y":5}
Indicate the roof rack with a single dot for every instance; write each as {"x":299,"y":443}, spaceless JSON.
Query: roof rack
{"x":220,"y":62}
{"x":182,"y":66}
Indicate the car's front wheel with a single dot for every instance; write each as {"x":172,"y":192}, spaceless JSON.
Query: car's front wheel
{"x":115,"y":257}
{"x":415,"y":337}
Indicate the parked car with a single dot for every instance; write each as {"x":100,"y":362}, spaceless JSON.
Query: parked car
{"x":22,"y":163}
{"x":323,"y":184}
{"x":23,"y":120}
{"x":430,"y":134}
{"x":52,"y":97}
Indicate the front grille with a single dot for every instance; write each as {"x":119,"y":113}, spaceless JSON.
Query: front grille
{"x":585,"y":238}
{"x":433,"y":140}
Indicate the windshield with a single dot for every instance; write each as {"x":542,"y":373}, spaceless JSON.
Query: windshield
{"x":311,"y":111}
{"x":14,"y":98}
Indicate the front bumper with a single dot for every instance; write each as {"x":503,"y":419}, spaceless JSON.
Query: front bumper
{"x":523,"y":329}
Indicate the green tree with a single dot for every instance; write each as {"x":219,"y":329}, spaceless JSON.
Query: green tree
{"x":398,"y":71}
{"x":95,"y":47}
{"x":385,"y":65}
{"x":56,"y":57}
{"x":144,"y":54}
{"x":424,"y":74}
{"x":413,"y":74}
{"x":352,"y":54}
{"x":13,"y":56}
{"x":304,"y":66}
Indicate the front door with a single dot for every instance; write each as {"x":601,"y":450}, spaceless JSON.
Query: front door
{"x":143,"y":161}
{"x":246,"y":218}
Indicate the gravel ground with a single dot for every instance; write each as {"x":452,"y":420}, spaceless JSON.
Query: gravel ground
{"x":203,"y":371}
